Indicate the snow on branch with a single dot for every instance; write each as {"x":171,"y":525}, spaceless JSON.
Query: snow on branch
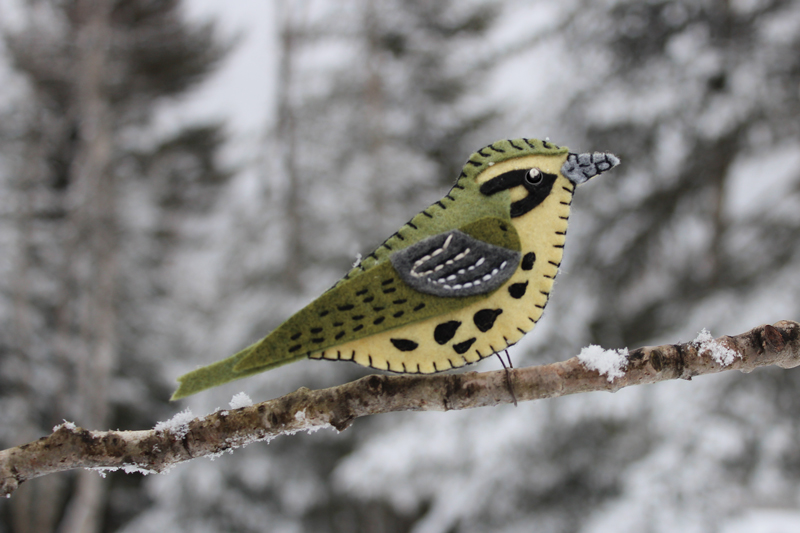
{"x":184,"y":437}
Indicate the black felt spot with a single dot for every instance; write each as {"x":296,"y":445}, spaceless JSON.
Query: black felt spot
{"x":358,"y":327}
{"x":378,"y":320}
{"x":462,"y":347}
{"x":345,"y":307}
{"x":445,"y":332}
{"x":389,"y":290}
{"x":528,"y":261}
{"x":420,"y":306}
{"x":323,"y":313}
{"x":404,"y":345}
{"x":338,"y":324}
{"x":398,"y":314}
{"x":484,"y":319}
{"x":295,"y":336}
{"x":387,"y":281}
{"x":362,"y":292}
{"x":368,"y":299}
{"x":295,"y":347}
{"x":357,"y":317}
{"x":318,"y":340}
{"x":517,"y":290}
{"x":339,"y":335}
{"x":399,"y":302}
{"x":316,"y":330}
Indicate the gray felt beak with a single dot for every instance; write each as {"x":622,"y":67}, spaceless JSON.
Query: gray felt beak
{"x":579,"y":168}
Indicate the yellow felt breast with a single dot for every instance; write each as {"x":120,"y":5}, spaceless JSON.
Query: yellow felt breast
{"x":485,"y":327}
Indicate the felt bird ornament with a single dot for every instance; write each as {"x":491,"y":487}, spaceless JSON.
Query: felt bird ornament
{"x":464,"y":279}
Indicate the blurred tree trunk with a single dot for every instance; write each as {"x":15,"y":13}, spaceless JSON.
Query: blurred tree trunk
{"x":92,"y":247}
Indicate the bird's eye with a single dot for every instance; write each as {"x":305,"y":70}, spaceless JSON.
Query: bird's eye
{"x":534,"y":176}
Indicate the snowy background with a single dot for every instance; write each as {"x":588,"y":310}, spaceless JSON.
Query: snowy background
{"x":249,"y":150}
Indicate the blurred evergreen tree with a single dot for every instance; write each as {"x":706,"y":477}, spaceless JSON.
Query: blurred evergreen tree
{"x":98,"y":208}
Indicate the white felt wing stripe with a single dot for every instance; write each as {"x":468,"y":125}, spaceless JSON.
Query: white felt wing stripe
{"x":455,"y":264}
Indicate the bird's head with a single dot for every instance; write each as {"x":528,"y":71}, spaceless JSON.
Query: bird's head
{"x":521,"y":173}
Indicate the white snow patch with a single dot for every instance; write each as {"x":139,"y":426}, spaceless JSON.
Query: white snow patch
{"x":609,"y":363}
{"x":178,"y":425}
{"x":300,"y":415}
{"x":66,"y":425}
{"x":240,"y":400}
{"x":358,"y":260}
{"x":719,"y":353}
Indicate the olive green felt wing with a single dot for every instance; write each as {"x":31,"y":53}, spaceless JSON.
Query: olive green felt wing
{"x":393,"y":293}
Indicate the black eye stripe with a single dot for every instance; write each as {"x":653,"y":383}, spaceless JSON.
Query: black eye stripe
{"x":537,"y":192}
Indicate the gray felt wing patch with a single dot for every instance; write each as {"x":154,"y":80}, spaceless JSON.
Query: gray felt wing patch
{"x":455,"y":264}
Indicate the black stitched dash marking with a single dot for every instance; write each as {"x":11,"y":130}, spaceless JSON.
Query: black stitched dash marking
{"x":457,"y":186}
{"x":400,"y":302}
{"x":561,"y":233}
{"x":412,"y":225}
{"x":473,"y":163}
{"x":563,"y":218}
{"x":532,"y":320}
{"x":370,"y":360}
{"x":528,"y":142}
{"x":420,"y":306}
{"x":345,"y":307}
{"x":324,"y":313}
{"x":498,"y":150}
{"x":427,"y":214}
{"x":296,"y":336}
{"x":481,"y":152}
{"x":318,"y":340}
{"x":462,"y":175}
{"x":357,"y":317}
{"x":539,"y":306}
{"x":568,"y":189}
{"x":545,"y":293}
{"x":358,"y":328}
{"x":400,"y":236}
{"x":368,"y":299}
{"x":378,"y":320}
{"x":557,"y":265}
{"x":339,"y":335}
{"x":514,"y":145}
{"x":549,"y":277}
{"x":316,"y":330}
{"x":435,"y":369}
{"x":389,"y":290}
{"x":452,"y":365}
{"x":480,"y":355}
{"x":418,"y":370}
{"x":440,"y":204}
{"x":372,"y":255}
{"x":387,"y":246}
{"x":449,"y":197}
{"x":522,"y":331}
{"x":362,"y":292}
{"x":546,"y":145}
{"x":404,"y":367}
{"x":295,"y":347}
{"x":558,"y":246}
{"x":566,"y":203}
{"x":399,"y":314}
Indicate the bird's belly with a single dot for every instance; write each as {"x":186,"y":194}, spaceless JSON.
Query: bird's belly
{"x":482,"y":328}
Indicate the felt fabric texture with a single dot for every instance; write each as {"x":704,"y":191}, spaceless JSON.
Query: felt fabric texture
{"x":379,"y":316}
{"x":453,"y":264}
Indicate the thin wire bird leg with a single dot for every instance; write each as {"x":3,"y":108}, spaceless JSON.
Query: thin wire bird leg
{"x":508,"y":376}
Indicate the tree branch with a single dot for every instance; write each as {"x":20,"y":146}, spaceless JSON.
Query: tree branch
{"x":158,"y":450}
